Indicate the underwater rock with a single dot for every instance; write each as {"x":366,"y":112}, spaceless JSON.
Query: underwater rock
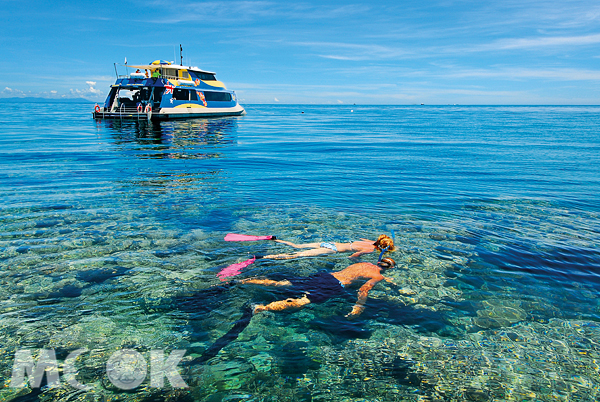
{"x":48,"y":223}
{"x":262,"y":362}
{"x":227,"y":375}
{"x":293,"y":360}
{"x":496,"y":314}
{"x":340,"y":328}
{"x":100,"y":275}
{"x":402,"y":371}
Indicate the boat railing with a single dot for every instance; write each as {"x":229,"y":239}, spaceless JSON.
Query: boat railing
{"x":163,"y":74}
{"x":128,"y":110}
{"x":171,"y":77}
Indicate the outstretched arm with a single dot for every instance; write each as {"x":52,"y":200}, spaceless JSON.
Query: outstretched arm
{"x":363,"y":293}
{"x":365,"y":247}
{"x":359,"y":253}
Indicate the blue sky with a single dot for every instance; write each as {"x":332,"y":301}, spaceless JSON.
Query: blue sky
{"x":328,"y":51}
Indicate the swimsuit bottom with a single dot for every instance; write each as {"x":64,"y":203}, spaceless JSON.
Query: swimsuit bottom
{"x":318,"y":287}
{"x":330,"y":246}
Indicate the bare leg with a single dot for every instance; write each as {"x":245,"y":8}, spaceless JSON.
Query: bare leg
{"x":266,"y":282}
{"x":282,"y":305}
{"x":307,"y":253}
{"x":304,"y":245}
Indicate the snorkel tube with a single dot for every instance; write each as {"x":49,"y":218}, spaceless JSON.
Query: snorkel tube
{"x":381,"y":254}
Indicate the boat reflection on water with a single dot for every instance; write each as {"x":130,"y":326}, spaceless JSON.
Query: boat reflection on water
{"x":150,"y":150}
{"x":178,"y":139}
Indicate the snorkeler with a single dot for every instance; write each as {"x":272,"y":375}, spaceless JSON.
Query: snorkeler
{"x":316,"y":288}
{"x":322,"y":286}
{"x":383,"y":244}
{"x":364,"y":246}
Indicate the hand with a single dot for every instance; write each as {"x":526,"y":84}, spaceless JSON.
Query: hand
{"x":389,"y":280}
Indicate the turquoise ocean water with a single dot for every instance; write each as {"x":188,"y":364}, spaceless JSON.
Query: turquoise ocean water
{"x":111,"y":236}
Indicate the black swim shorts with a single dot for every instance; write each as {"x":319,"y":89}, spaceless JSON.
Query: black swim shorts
{"x":318,"y":287}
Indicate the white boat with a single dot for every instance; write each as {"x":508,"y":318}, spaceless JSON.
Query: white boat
{"x":163,"y":91}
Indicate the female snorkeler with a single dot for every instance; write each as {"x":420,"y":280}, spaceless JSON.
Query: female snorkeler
{"x":383,"y":244}
{"x":363,"y":246}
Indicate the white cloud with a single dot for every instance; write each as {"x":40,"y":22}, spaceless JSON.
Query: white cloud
{"x":276,"y":100}
{"x":531,"y":43}
{"x":12,"y":92}
{"x":90,"y":93}
{"x":237,"y":11}
{"x":562,"y":74}
{"x":355,"y":52}
{"x":91,"y":90}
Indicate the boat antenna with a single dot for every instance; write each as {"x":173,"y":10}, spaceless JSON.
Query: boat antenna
{"x":180,"y":55}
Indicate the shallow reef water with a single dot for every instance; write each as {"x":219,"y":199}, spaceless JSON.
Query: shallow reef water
{"x":111,"y":238}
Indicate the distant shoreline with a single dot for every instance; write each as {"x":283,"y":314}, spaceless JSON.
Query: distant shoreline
{"x":83,"y":100}
{"x":45,"y":100}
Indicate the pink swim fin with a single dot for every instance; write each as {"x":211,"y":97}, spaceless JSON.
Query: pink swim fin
{"x":234,"y":269}
{"x":241,"y":237}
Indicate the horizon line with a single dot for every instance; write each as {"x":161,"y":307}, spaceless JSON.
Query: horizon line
{"x":25,"y":98}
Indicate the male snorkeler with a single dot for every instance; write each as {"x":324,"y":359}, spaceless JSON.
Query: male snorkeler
{"x":364,"y":246}
{"x":322,"y":286}
{"x":316,"y":288}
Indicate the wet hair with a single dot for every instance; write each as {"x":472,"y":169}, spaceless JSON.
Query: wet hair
{"x":383,"y":242}
{"x":387,"y":262}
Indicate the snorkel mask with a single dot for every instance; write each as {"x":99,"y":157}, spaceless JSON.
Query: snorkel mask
{"x":386,"y":249}
{"x":386,"y":263}
{"x":382,"y":253}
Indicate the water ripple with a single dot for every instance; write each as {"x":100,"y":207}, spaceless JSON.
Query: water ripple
{"x":111,"y":235}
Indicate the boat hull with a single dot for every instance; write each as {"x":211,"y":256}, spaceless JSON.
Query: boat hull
{"x":172,"y":113}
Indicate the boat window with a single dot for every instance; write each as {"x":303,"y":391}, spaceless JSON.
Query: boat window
{"x":181,"y":94}
{"x":217,"y":96}
{"x":134,"y":95}
{"x":145,"y":93}
{"x":170,"y":73}
{"x":111,"y":97}
{"x":126,"y":94}
{"x":193,"y":96}
{"x":184,"y":75}
{"x":206,"y":76}
{"x":158,"y":93}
